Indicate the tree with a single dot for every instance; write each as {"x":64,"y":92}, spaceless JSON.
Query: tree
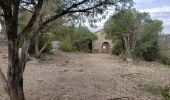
{"x":48,"y":8}
{"x":11,"y":11}
{"x":82,"y":39}
{"x":149,"y":45}
{"x":74,"y":38}
{"x":129,"y":27}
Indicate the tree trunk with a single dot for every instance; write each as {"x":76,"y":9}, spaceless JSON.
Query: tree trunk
{"x":37,"y":51}
{"x":14,"y":81}
{"x":14,"y":74}
{"x":127,"y":46}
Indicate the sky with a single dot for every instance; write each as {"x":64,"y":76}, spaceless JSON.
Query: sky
{"x":158,"y":9}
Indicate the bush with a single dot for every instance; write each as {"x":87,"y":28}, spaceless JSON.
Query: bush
{"x":165,"y":60}
{"x":118,"y":49}
{"x":165,"y":93}
{"x":75,"y":39}
{"x":66,"y":46}
{"x":42,"y":40}
{"x":150,"y":53}
{"x":83,"y":46}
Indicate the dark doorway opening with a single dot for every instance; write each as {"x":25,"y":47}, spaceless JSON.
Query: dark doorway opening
{"x":105,"y":47}
{"x":90,"y":46}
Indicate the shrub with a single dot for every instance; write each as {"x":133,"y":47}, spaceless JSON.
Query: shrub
{"x":66,"y":46}
{"x":150,"y":53}
{"x":165,"y":93}
{"x":118,"y":48}
{"x":84,"y":46}
{"x":165,"y":60}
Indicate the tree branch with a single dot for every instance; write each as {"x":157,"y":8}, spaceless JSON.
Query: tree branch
{"x":25,"y":9}
{"x":87,"y":9}
{"x":68,"y":10}
{"x":28,"y":3}
{"x":76,"y":5}
{"x":28,"y":27}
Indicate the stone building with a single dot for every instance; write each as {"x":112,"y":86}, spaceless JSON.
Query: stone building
{"x":102,"y":44}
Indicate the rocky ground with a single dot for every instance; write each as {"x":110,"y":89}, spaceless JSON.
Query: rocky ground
{"x":71,"y":76}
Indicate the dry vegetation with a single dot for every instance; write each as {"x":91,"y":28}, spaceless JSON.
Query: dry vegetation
{"x":71,"y":76}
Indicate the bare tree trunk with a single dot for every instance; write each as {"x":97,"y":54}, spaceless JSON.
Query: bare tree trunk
{"x":126,"y":40}
{"x":24,"y":52}
{"x":14,"y":74}
{"x":16,"y":67}
{"x":37,"y":51}
{"x":13,"y":84}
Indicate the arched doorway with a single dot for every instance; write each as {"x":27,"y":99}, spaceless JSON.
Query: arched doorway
{"x":105,"y":47}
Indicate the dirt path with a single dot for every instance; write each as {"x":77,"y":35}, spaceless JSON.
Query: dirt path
{"x":65,"y":76}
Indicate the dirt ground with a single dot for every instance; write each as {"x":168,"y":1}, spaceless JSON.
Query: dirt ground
{"x":71,"y":76}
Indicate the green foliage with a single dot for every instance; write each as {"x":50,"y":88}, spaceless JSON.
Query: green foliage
{"x":31,"y":49}
{"x":121,"y":23}
{"x":148,"y":45}
{"x":150,"y":53}
{"x":138,"y":33}
{"x":65,"y":45}
{"x":74,"y":38}
{"x":165,"y":93}
{"x":21,"y":43}
{"x":164,"y":59}
{"x":43,"y":39}
{"x":117,"y":49}
{"x":126,"y":26}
